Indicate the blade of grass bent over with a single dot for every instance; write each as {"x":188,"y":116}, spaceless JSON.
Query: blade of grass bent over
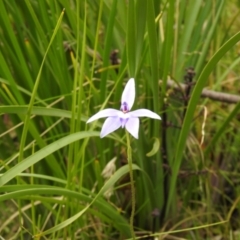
{"x":50,"y":192}
{"x":115,"y":177}
{"x":41,"y":154}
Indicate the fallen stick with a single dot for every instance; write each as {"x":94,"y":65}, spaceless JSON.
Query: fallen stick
{"x":214,"y":95}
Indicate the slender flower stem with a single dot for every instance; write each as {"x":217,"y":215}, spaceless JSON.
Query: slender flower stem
{"x":129,"y":155}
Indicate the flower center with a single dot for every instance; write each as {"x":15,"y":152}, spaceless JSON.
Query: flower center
{"x":124,"y":107}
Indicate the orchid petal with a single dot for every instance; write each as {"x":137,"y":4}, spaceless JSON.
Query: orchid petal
{"x":128,"y":95}
{"x":144,"y":113}
{"x":109,"y":112}
{"x":123,"y":115}
{"x":132,"y":125}
{"x":111,"y":124}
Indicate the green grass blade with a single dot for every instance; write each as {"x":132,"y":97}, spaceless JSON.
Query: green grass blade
{"x":44,"y":152}
{"x":131,"y":39}
{"x":117,"y":175}
{"x":34,"y":92}
{"x":222,"y":129}
{"x":191,"y":109}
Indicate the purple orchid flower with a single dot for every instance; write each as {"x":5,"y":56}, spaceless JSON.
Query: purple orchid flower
{"x":123,"y":118}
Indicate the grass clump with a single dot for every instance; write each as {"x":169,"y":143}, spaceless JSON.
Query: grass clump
{"x":61,"y":62}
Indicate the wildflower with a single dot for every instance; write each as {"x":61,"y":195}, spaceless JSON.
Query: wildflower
{"x":123,"y":118}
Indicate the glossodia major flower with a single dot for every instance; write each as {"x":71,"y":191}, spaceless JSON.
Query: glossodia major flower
{"x":123,"y":118}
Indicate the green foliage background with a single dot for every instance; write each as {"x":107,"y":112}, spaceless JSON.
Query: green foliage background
{"x":61,"y":61}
